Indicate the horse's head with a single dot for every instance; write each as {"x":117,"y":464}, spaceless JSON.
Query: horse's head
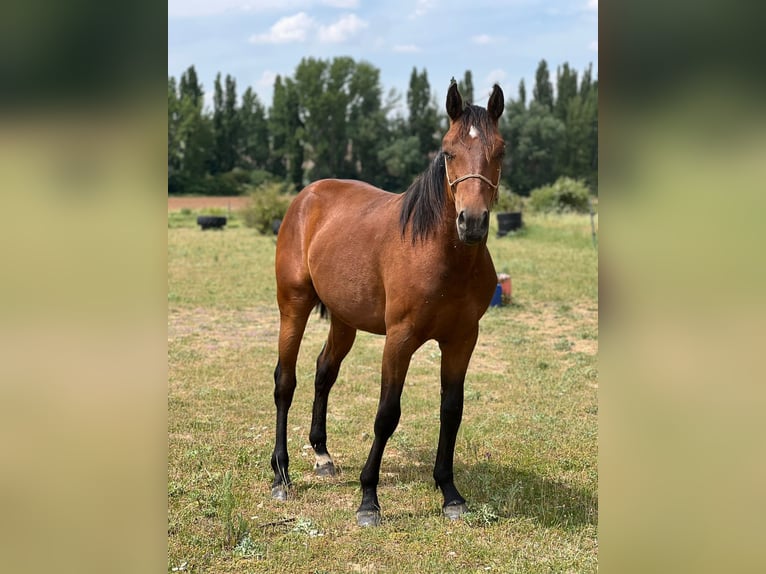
{"x":473,"y":153}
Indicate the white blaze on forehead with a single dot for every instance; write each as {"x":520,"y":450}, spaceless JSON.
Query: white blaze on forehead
{"x":473,"y":132}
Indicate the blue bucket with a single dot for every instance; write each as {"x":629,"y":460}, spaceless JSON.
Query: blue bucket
{"x":497,"y":298}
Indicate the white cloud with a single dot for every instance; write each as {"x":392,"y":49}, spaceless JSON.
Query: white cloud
{"x":483,"y":39}
{"x":593,"y":5}
{"x":288,"y":29}
{"x":422,"y":7}
{"x":340,"y":3}
{"x":406,"y":48}
{"x":302,"y":27}
{"x":346,"y":27}
{"x":594,"y":46}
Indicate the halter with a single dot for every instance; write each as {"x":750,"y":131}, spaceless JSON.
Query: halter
{"x":452,"y":184}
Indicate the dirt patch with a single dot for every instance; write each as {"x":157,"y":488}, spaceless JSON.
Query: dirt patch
{"x":232,"y":203}
{"x":571,"y":328}
{"x":216,"y":330}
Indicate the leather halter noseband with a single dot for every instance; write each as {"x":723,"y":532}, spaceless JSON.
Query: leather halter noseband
{"x":452,"y":184}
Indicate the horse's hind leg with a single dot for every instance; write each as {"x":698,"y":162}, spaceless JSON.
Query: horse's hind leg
{"x":338,"y":344}
{"x":292,"y":323}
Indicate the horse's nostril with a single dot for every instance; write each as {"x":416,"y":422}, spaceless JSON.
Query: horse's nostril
{"x":485,"y":219}
{"x":461,"y":218}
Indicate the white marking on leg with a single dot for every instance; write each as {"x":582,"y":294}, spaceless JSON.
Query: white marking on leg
{"x":473,"y":132}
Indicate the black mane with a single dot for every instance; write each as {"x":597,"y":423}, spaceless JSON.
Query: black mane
{"x":424,"y":199}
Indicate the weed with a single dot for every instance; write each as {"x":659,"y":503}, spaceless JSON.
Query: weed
{"x":305,"y":527}
{"x":484,"y":515}
{"x":235,"y":527}
{"x":247,"y":548}
{"x":562,"y":345}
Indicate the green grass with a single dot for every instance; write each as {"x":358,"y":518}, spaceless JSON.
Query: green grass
{"x":526,"y":455}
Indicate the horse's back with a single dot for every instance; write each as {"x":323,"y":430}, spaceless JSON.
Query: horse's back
{"x":333,"y":198}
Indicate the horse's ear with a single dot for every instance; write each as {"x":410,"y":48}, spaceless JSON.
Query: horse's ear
{"x":496,"y":103}
{"x":454,"y":101}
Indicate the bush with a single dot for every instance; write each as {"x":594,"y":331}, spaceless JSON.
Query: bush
{"x":507,"y":201}
{"x":260,"y":176}
{"x":267,"y":203}
{"x":564,"y":196}
{"x":232,"y":182}
{"x":225,"y":184}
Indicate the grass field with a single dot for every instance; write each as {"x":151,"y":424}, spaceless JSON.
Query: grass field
{"x":526,"y":455}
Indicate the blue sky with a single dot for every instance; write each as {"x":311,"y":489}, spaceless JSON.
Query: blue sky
{"x":499,"y":41}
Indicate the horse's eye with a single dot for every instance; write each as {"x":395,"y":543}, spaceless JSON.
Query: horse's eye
{"x":449,"y":156}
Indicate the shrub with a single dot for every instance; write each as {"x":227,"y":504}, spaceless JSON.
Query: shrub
{"x":564,"y":195}
{"x":507,"y":201}
{"x":267,"y":203}
{"x":260,"y":176}
{"x":225,"y":184}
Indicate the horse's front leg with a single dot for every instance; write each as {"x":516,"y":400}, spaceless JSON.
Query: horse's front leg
{"x":398,"y":350}
{"x":456,"y":353}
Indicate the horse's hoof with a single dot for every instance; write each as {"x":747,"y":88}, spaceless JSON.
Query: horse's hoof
{"x":455,"y":511}
{"x":368,"y":518}
{"x":327,"y":469}
{"x":280,"y":492}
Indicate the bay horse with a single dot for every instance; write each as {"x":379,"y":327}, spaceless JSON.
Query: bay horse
{"x":413,"y":267}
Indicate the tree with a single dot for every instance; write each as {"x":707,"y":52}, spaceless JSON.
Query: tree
{"x":254,"y":133}
{"x":217,"y":159}
{"x":423,"y":118}
{"x":175,"y":150}
{"x":536,"y":137}
{"x":542,"y":93}
{"x":225,"y":125}
{"x":286,"y":130}
{"x":566,"y":89}
{"x":323,"y":97}
{"x":294,"y":147}
{"x":368,"y":128}
{"x":465,"y":86}
{"x":190,"y":87}
{"x":189,"y":136}
{"x":279,"y":124}
{"x":329,"y":119}
{"x":400,"y":157}
{"x":231,"y":123}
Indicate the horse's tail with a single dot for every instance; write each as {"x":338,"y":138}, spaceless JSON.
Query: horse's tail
{"x":324,"y":312}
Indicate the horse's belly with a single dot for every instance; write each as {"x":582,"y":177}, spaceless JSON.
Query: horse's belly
{"x":358,"y":308}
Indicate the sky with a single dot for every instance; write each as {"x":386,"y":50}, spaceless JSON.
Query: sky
{"x":498,"y":40}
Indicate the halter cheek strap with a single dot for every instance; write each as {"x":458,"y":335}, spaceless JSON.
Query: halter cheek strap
{"x":452,"y":184}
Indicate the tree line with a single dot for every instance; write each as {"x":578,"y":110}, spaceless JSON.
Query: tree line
{"x":331,"y":119}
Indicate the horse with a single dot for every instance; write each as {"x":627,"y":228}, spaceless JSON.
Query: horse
{"x":413,"y":267}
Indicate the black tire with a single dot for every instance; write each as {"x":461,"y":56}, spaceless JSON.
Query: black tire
{"x":211,"y":221}
{"x":507,"y":222}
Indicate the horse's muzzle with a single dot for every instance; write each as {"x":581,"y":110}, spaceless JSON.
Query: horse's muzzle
{"x":472,"y":229}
